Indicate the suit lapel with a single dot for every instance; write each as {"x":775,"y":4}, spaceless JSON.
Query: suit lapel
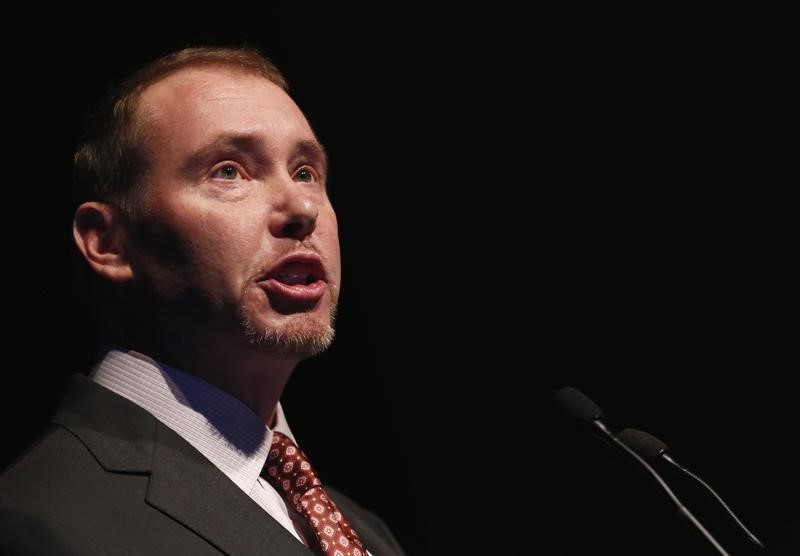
{"x":124,"y":438}
{"x":184,"y":485}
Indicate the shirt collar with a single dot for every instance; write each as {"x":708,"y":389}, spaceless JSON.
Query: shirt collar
{"x":218,"y":425}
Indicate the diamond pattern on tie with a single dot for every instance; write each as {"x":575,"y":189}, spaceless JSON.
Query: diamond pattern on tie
{"x":289,"y":471}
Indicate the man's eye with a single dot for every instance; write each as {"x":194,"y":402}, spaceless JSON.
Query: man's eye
{"x":228,"y":172}
{"x":305,"y":174}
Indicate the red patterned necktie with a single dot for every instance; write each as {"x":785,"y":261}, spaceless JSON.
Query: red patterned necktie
{"x":288,"y":470}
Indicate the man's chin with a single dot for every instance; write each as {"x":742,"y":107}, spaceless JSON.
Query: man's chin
{"x":300,"y":335}
{"x":303,"y":337}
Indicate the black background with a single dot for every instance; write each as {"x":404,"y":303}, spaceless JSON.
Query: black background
{"x":519,"y":210}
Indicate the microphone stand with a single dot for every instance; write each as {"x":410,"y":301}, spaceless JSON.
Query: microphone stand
{"x":608,"y":435}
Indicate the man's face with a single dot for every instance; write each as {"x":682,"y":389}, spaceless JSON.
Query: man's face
{"x":238,"y":237}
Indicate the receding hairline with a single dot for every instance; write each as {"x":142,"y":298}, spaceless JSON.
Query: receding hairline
{"x":140,"y":92}
{"x":179,"y":86}
{"x":144,"y":89}
{"x":108,"y":162}
{"x":246,"y":60}
{"x":146,"y":114}
{"x":220,"y":66}
{"x":239,"y":61}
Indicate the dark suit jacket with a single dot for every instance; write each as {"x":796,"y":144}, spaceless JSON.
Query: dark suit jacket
{"x":108,"y":478}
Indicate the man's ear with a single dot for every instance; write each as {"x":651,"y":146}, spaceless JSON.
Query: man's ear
{"x":100,"y":235}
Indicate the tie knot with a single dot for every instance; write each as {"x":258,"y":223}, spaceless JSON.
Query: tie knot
{"x":288,"y":469}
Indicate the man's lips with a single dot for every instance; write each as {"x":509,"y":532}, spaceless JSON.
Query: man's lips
{"x":296,"y":282}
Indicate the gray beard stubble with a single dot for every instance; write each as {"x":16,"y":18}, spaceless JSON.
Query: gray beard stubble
{"x":299,"y":341}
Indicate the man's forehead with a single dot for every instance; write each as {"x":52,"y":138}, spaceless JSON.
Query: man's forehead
{"x":192,"y":95}
{"x":203,"y":83}
{"x":195,"y":109}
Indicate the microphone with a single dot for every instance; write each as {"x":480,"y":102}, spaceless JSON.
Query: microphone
{"x":581,"y":409}
{"x":652,"y":449}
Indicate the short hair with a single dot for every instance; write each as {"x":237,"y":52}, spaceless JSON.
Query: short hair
{"x":109,"y":162}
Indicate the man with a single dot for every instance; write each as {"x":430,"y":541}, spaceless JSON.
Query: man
{"x":214,"y":247}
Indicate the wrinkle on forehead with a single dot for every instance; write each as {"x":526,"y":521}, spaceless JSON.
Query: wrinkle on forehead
{"x":196,"y":86}
{"x":194,"y":99}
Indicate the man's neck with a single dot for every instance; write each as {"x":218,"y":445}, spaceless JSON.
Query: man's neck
{"x":253,"y":376}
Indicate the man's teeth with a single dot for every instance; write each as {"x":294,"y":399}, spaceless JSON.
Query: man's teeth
{"x":294,"y":278}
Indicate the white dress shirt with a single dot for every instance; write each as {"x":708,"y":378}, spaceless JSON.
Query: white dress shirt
{"x":218,"y":425}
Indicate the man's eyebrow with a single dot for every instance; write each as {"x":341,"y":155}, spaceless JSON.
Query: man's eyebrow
{"x":224,"y":142}
{"x":313,"y":150}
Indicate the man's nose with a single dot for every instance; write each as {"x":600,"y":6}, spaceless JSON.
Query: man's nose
{"x":294,"y":211}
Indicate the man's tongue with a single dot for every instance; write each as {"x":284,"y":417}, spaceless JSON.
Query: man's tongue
{"x":293,"y":290}
{"x":293,"y":278}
